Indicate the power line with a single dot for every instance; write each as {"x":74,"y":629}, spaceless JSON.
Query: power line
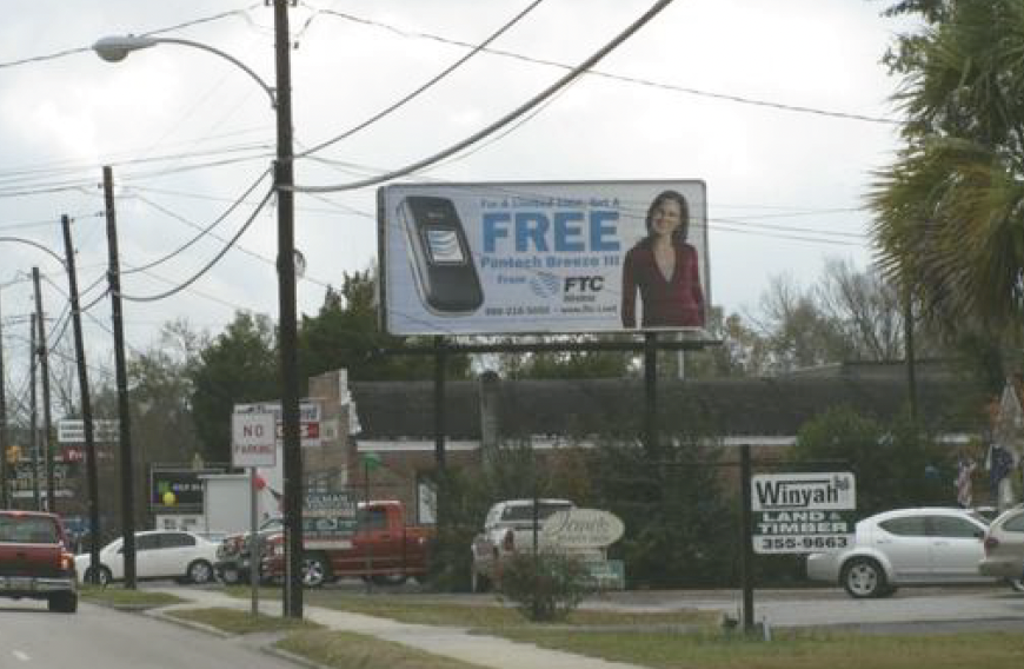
{"x":729,"y":97}
{"x":209,"y":265}
{"x":430,"y":82}
{"x":202,"y":231}
{"x":505,"y":120}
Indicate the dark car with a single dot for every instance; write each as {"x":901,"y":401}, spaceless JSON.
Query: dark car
{"x":35,"y":560}
{"x":233,"y":560}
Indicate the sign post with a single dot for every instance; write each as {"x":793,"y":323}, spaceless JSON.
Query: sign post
{"x":253,"y":444}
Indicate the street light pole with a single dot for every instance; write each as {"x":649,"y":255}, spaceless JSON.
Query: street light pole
{"x":117,"y":48}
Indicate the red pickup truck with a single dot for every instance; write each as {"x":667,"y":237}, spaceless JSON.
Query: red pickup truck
{"x":383,"y":549}
{"x":34,"y":560}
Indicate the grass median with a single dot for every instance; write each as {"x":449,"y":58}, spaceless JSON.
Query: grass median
{"x":684,"y":639}
{"x":118,"y":597}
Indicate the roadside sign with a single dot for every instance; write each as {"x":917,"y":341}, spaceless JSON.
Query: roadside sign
{"x":803,"y":513}
{"x":309,"y":419}
{"x":72,"y":430}
{"x":329,"y":519}
{"x":253,"y":440}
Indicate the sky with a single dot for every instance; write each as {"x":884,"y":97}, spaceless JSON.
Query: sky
{"x":782,"y":108}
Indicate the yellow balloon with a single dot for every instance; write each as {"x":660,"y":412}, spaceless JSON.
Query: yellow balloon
{"x":169,"y":498}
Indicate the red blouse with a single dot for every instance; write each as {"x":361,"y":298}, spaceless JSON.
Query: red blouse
{"x":677,"y":302}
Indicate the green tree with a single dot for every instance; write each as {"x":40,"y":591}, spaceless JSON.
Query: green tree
{"x":950,"y":210}
{"x":345,"y":335}
{"x":895,"y":464}
{"x":240,"y":365}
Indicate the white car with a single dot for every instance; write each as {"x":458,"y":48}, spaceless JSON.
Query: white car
{"x":1004,"y":548}
{"x":931,"y":545}
{"x":183,"y":556}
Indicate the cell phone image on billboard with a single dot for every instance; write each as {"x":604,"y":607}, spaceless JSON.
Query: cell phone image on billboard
{"x":446,"y":279}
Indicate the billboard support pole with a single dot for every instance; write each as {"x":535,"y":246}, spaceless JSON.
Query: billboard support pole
{"x":746,"y":531}
{"x":651,"y":393}
{"x":440,"y":365}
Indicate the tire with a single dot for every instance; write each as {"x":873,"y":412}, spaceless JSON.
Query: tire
{"x":863,"y":578}
{"x":63,"y":602}
{"x":479,"y":582}
{"x":104,"y":576}
{"x":315,"y":570}
{"x":199,"y":572}
{"x":1016,"y":584}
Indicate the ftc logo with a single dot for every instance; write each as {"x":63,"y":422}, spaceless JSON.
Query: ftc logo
{"x":583,"y":284}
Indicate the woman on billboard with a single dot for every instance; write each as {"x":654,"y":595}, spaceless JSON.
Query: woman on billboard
{"x":663,"y":267}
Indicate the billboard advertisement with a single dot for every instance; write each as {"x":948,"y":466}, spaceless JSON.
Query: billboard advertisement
{"x":543,"y":257}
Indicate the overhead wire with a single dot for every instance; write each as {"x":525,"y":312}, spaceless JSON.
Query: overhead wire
{"x":202,"y":231}
{"x":729,"y":97}
{"x":373,"y":118}
{"x":195,"y":277}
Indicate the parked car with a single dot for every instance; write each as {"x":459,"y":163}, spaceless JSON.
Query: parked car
{"x":508,"y":528}
{"x":932,"y":545}
{"x":176,"y":554}
{"x":383,"y":549}
{"x":35,"y":560}
{"x":232,"y":565}
{"x":1004,"y":548}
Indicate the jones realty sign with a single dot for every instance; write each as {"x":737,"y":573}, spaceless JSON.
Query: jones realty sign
{"x":803,"y":513}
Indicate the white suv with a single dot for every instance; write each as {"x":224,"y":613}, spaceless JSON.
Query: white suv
{"x":1004,"y":548}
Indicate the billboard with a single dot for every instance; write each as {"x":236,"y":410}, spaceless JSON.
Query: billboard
{"x":543,"y":257}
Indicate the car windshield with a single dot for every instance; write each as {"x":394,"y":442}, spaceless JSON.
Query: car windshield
{"x":28,"y":530}
{"x":524,"y":512}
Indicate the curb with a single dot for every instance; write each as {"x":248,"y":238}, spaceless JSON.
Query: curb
{"x":273,"y":651}
{"x":189,"y":624}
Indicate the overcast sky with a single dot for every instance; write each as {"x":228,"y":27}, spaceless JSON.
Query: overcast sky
{"x":188,"y":133}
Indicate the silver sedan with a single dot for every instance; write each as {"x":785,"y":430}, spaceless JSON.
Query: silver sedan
{"x":931,"y":545}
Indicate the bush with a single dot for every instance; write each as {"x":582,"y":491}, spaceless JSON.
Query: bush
{"x":547,"y":586}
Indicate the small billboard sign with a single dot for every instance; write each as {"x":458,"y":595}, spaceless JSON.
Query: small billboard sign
{"x":803,"y":513}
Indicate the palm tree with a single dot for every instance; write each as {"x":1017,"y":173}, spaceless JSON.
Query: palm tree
{"x":950,"y":210}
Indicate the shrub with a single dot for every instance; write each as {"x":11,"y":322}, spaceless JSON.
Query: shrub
{"x":547,"y":586}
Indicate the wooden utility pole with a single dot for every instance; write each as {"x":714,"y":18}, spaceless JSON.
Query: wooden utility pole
{"x":92,"y":478}
{"x":44,"y":372}
{"x":33,"y":417}
{"x":5,"y":500}
{"x":124,"y":420}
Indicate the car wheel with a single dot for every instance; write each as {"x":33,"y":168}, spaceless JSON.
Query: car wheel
{"x":102,"y":577}
{"x":1016,"y":584}
{"x":63,"y":602}
{"x":200,"y":572}
{"x":229,"y":576}
{"x":863,"y":577}
{"x":314,"y":570}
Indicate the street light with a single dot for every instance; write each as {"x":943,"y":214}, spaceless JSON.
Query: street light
{"x":114,"y":49}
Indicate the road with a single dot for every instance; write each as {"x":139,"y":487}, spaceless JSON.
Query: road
{"x":33,"y":638}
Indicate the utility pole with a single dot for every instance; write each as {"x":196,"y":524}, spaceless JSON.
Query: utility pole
{"x":5,"y":500}
{"x":114,"y":279}
{"x":92,"y":478}
{"x":33,"y":418}
{"x":44,"y":371}
{"x":284,"y":181}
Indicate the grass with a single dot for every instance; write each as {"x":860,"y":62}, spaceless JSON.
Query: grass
{"x":803,"y":650}
{"x":122,"y":598}
{"x":234,"y":621}
{"x":428,"y":610}
{"x":356,"y":651}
